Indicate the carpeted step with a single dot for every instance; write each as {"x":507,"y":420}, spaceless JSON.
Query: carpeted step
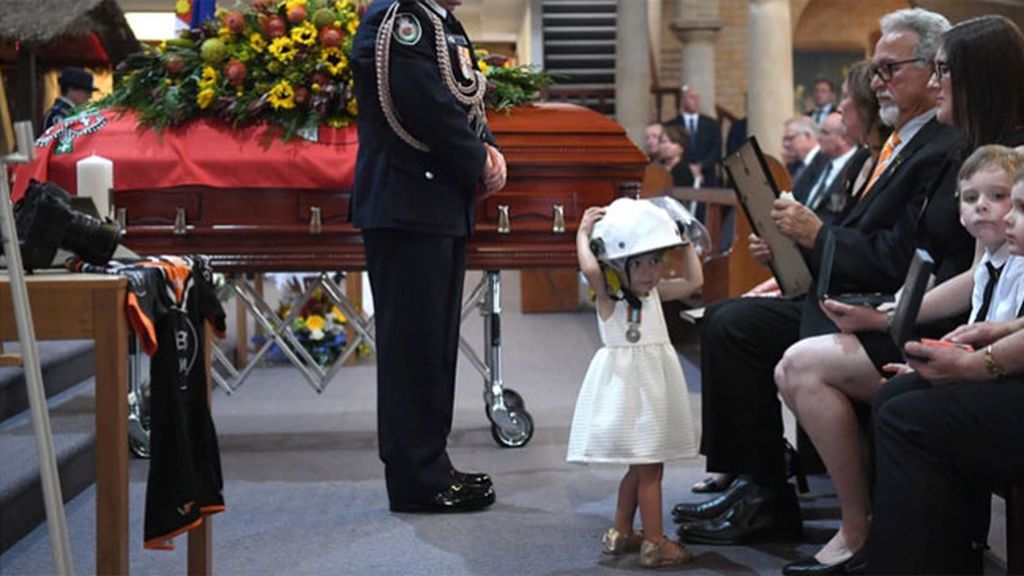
{"x":64,"y":364}
{"x":73,"y":425}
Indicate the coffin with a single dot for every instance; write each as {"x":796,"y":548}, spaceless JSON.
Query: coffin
{"x":255,"y":203}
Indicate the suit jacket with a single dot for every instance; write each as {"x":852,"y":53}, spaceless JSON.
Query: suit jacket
{"x":396,"y":185}
{"x":706,"y":148}
{"x":831,"y":202}
{"x":875,"y":235}
{"x":808,"y":177}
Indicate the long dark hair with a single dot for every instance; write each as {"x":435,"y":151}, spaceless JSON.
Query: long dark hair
{"x":986,"y":63}
{"x":858,"y":85}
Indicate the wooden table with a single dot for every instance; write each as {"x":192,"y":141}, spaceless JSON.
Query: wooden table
{"x":88,"y":306}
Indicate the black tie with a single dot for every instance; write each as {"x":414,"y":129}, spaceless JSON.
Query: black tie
{"x":815,"y":196}
{"x":990,"y":288}
{"x":693,"y":129}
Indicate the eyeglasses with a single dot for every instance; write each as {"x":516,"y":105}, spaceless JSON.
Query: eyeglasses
{"x":886,"y":70}
{"x":940,"y":70}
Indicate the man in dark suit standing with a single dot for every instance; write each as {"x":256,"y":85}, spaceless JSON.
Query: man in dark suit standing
{"x":425,"y":156}
{"x":743,"y":339}
{"x":705,"y":147}
{"x":824,"y":97}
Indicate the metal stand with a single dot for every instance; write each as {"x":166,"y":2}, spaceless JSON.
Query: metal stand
{"x":279,"y":332}
{"x":29,"y":359}
{"x":511,"y":424}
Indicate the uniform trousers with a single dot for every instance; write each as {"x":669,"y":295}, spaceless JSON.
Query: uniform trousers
{"x":417,"y":281}
{"x":742,"y":341}
{"x":939,"y":451}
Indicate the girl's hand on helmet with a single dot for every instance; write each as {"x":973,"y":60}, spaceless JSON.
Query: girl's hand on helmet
{"x":590,"y":217}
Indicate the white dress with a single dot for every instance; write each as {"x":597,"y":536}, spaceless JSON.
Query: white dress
{"x":633,"y":407}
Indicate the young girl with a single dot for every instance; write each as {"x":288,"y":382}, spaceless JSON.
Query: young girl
{"x":633,"y":407}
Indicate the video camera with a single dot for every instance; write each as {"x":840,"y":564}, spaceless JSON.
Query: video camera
{"x":47,"y":220}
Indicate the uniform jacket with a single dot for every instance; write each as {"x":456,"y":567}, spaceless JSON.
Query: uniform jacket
{"x":61,"y":109}
{"x":396,"y":185}
{"x":706,"y":148}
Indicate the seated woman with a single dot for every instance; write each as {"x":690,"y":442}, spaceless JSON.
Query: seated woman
{"x":821,"y":377}
{"x":672,"y":148}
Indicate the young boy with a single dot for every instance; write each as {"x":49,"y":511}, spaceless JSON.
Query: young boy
{"x":985,"y":180}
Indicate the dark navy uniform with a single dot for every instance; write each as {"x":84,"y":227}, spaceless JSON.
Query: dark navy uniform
{"x":61,"y":109}
{"x":421,"y":158}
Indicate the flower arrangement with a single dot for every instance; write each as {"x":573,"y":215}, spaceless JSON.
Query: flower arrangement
{"x":509,"y":86}
{"x":319,"y":325}
{"x":285,"y":62}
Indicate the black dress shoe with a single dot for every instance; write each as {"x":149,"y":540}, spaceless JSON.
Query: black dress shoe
{"x":710,"y":509}
{"x":812,"y":566}
{"x":759,"y":515}
{"x":454,"y":498}
{"x":471,"y":478}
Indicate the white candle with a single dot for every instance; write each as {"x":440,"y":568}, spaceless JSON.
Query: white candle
{"x":96,"y":181}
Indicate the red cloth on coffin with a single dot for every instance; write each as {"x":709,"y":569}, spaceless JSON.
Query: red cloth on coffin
{"x":202,"y":152}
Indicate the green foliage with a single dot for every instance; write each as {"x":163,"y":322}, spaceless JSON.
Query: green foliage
{"x":510,"y":86}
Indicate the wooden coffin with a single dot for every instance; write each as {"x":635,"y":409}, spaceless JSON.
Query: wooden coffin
{"x":561,"y":159}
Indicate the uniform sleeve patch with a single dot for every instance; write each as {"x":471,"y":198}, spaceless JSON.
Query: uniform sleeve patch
{"x":407,"y":29}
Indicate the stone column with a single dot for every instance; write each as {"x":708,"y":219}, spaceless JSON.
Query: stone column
{"x":632,"y":69}
{"x":770,"y":72}
{"x":698,"y":35}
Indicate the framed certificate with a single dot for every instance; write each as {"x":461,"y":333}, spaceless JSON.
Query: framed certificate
{"x":757,"y":191}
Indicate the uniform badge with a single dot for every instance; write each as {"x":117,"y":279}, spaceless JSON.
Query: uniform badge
{"x":465,"y":62}
{"x":407,"y":29}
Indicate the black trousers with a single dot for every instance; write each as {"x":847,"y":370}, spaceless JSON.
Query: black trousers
{"x":939,"y":450}
{"x":416,"y":280}
{"x":742,"y":341}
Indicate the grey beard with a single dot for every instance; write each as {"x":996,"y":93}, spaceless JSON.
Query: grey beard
{"x":889,"y":113}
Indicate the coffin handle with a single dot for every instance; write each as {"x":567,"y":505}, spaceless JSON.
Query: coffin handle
{"x":315,"y":221}
{"x":558,"y":226}
{"x":503,"y":223}
{"x":180,"y":223}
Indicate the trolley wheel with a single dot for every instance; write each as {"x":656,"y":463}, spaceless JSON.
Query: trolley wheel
{"x":139,"y":448}
{"x":513,"y":401}
{"x":518,"y":434}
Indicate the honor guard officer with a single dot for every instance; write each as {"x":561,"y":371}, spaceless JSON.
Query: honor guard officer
{"x":425,"y":157}
{"x":75,"y":89}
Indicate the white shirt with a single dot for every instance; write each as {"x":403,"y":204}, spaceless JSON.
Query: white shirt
{"x":437,"y":8}
{"x":1006,"y":298}
{"x":691,"y":122}
{"x":827,"y":177}
{"x":910,"y":129}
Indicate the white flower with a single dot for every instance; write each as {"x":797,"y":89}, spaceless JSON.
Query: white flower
{"x":316,"y":334}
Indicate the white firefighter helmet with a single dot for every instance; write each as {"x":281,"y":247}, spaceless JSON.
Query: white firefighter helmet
{"x":630,"y":228}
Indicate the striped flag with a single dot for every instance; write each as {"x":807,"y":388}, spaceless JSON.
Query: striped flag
{"x":192,"y":13}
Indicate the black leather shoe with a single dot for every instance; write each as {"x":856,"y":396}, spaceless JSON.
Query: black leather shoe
{"x":454,"y":498}
{"x":812,"y":566}
{"x":471,"y":478}
{"x":760,"y":515}
{"x":710,"y":509}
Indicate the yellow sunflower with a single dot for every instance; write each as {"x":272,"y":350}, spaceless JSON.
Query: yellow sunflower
{"x":209,"y":77}
{"x":283,"y":49}
{"x":257,"y":42}
{"x":205,"y":98}
{"x":334,"y":60}
{"x":282,"y":96}
{"x":304,"y":34}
